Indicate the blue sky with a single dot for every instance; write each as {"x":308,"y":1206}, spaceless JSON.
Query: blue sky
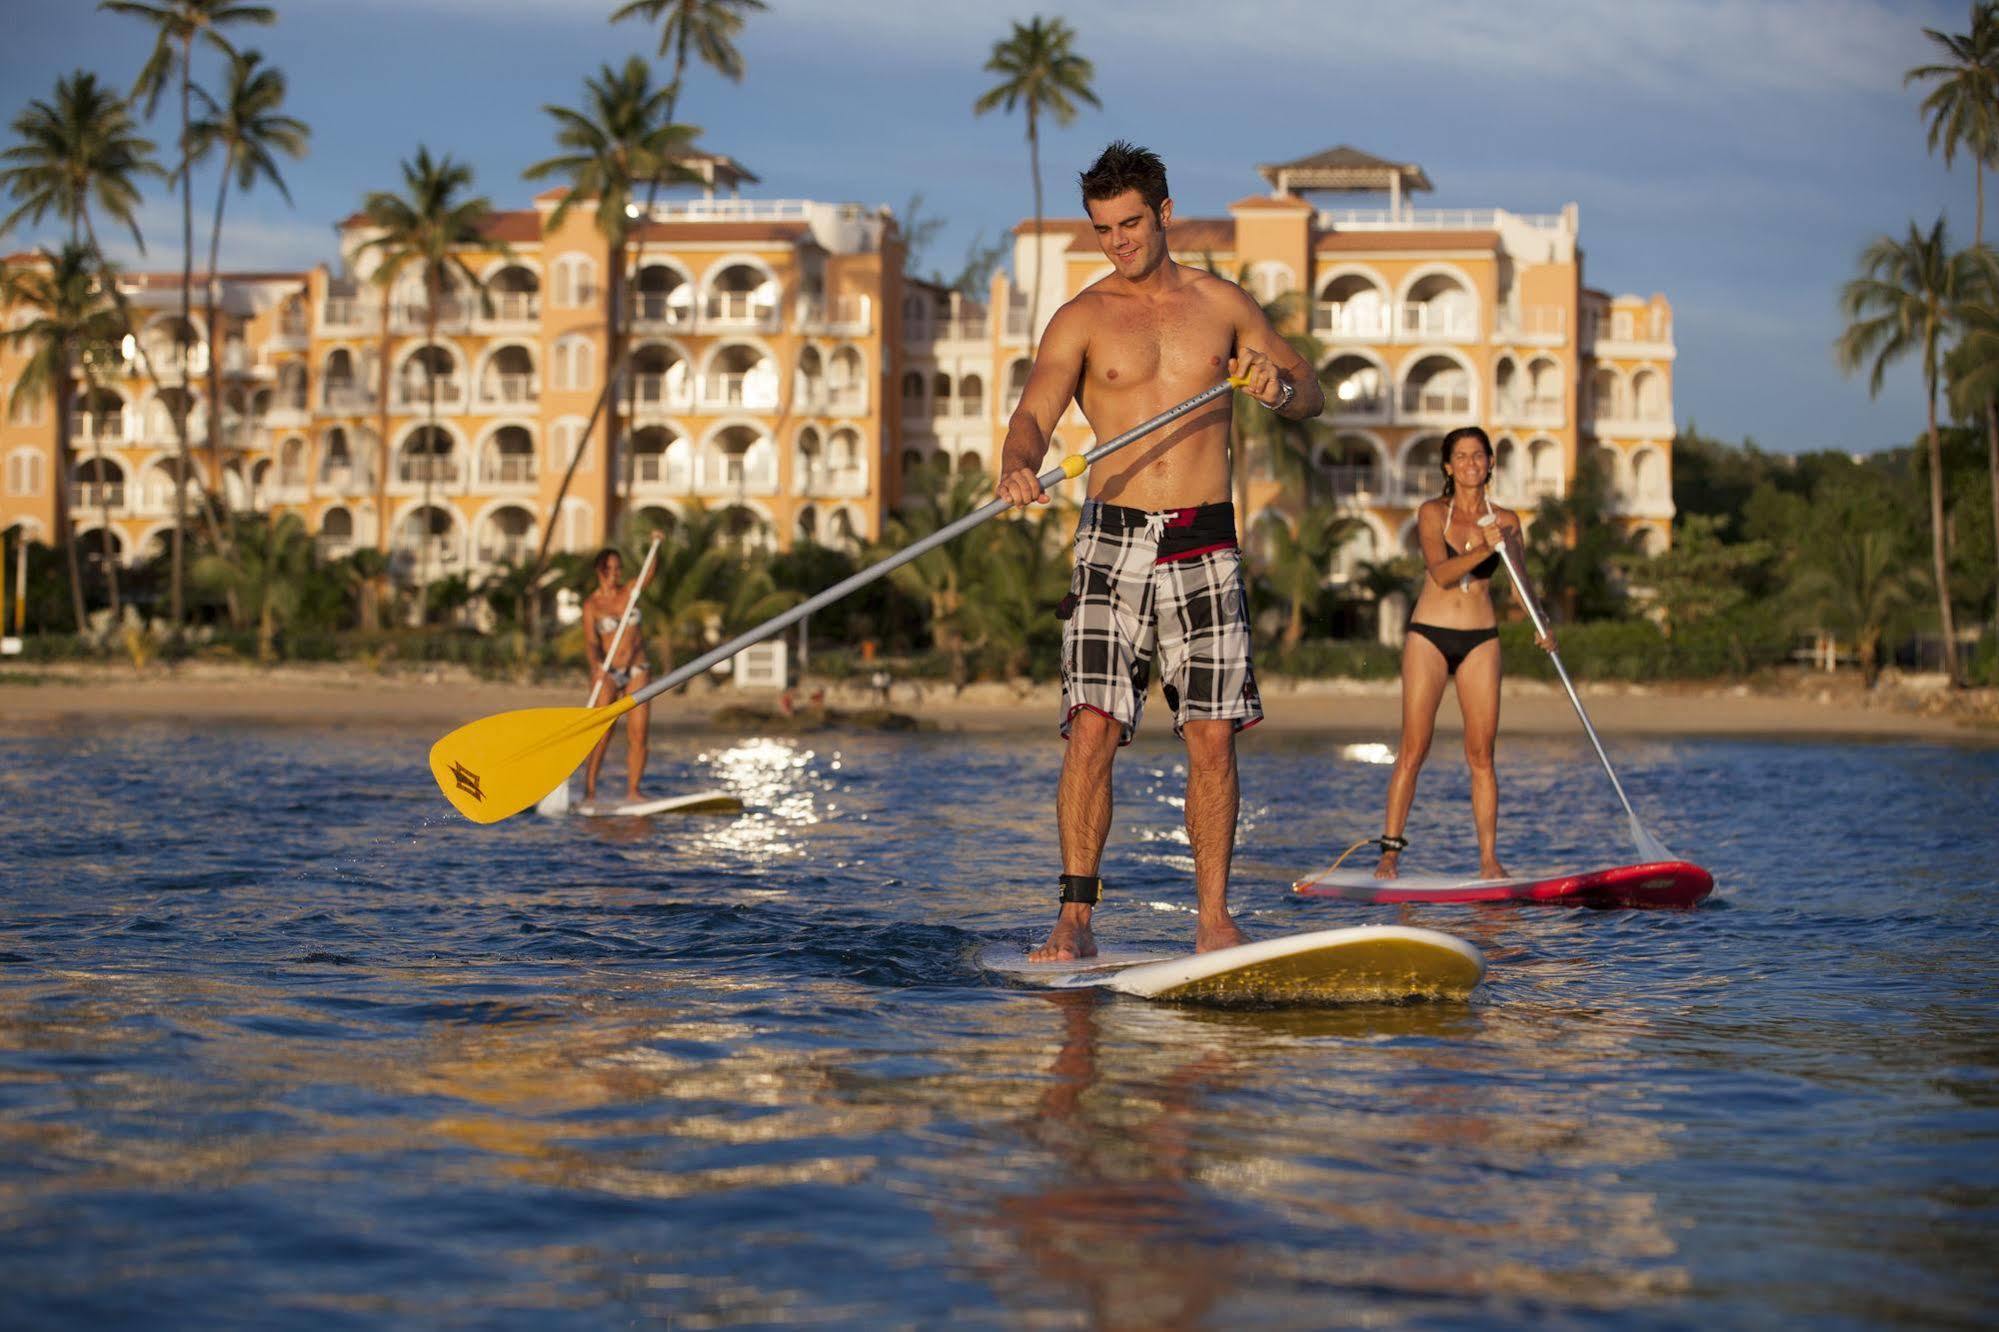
{"x":1734,"y":154}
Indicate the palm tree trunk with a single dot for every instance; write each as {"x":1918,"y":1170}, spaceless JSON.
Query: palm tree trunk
{"x":1938,"y":550}
{"x":64,"y":395}
{"x":381,"y":461}
{"x":616,"y":479}
{"x":1992,"y":471}
{"x":214,"y":359}
{"x":104,"y":518}
{"x":1034,"y":292}
{"x":1978,"y":176}
{"x":178,"y":591}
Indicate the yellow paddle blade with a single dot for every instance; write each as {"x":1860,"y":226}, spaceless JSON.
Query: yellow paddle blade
{"x":496,"y":767}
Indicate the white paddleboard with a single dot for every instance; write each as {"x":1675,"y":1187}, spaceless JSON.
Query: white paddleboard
{"x":1363,"y":964}
{"x":701,"y":802}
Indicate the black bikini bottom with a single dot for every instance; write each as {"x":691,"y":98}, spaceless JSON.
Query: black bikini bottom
{"x":1455,"y":644}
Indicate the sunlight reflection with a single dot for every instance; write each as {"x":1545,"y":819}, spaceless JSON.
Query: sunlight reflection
{"x":1367,"y":753}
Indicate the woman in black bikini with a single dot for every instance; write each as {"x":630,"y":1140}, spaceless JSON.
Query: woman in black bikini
{"x":612,"y":680}
{"x":1453,"y":634}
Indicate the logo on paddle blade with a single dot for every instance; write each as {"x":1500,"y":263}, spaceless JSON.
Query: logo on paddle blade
{"x":468,"y":781}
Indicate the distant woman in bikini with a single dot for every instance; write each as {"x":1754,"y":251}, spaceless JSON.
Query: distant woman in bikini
{"x":1453,"y":634}
{"x":615,"y":676}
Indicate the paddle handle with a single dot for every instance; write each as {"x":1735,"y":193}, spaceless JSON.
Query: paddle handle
{"x":631,"y":605}
{"x":1561,"y":671}
{"x":1073,"y":465}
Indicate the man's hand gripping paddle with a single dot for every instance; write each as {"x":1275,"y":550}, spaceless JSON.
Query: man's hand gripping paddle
{"x":497,"y":766}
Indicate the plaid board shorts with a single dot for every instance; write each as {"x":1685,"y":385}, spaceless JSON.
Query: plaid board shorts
{"x":1128,"y":603}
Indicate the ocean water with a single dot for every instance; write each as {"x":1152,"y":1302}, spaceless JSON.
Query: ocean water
{"x":284,"y":1043}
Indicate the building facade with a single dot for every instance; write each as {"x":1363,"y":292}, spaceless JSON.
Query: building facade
{"x":786,"y":373}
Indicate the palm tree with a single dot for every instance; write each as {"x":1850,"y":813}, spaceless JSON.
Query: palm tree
{"x":704,"y":28}
{"x":425,"y":229}
{"x":1963,"y":106}
{"x":68,"y":325}
{"x":1039,"y":73}
{"x":946,"y":579}
{"x":622,"y":136}
{"x":248,"y":128}
{"x":1972,"y":369}
{"x":1298,"y":568}
{"x":178,"y":25}
{"x":1909,"y":295}
{"x":81,"y":145}
{"x":266,"y":570}
{"x":361,"y":572}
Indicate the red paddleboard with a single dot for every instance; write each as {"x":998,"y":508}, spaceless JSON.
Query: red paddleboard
{"x":1664,"y":883}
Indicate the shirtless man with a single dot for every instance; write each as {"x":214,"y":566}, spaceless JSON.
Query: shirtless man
{"x":1157,"y":569}
{"x":613,"y":679}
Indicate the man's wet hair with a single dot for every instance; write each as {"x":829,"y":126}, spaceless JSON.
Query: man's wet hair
{"x":604,"y":558}
{"x":1125,"y":166}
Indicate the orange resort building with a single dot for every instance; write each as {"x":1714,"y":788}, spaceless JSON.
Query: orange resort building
{"x":786,"y":373}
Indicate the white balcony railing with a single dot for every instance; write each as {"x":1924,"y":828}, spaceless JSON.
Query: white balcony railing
{"x":350,"y":314}
{"x":506,"y":550}
{"x":1545,"y":325}
{"x":661,"y":309}
{"x":663,"y":392}
{"x":286,"y":410}
{"x":512,"y":307}
{"x":843,"y":314}
{"x":344,"y":396}
{"x":732,"y":474}
{"x":96,"y":495}
{"x":1419,"y":320}
{"x":509,"y":389}
{"x":438,"y":471}
{"x":732,"y":392}
{"x":1428,"y":219}
{"x":832,"y":482}
{"x":1340,"y":321}
{"x":509,"y":469}
{"x":656,"y":469}
{"x":740,"y":309}
{"x":103,"y":427}
{"x":1358,"y":406}
{"x":414,"y":394}
{"x":1427,"y":401}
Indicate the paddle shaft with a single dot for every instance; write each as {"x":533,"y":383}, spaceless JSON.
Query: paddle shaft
{"x":631,"y":605}
{"x":1071,"y":466}
{"x":1582,"y":714}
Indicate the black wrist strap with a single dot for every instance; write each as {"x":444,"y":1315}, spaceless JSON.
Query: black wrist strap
{"x":1085,"y":888}
{"x":1395,"y":844}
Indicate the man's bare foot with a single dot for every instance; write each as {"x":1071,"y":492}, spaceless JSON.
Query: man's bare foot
{"x":1069,"y":940}
{"x":1385,"y":868}
{"x":1491,"y":869}
{"x":1210,"y":935}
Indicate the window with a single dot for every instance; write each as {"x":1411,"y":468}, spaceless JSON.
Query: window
{"x":24,"y":472}
{"x":564,"y":438}
{"x":575,"y":364}
{"x":575,"y":281}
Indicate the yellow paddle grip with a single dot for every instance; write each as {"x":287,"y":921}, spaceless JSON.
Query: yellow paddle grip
{"x":1075,"y":465}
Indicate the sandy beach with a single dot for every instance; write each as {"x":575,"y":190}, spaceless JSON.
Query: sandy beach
{"x":341,"y":696}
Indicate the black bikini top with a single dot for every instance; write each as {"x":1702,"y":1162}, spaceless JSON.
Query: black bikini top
{"x":1486,"y":567}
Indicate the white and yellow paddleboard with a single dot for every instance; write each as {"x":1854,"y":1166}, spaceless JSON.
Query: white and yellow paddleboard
{"x":1363,"y":964}
{"x":701,"y":802}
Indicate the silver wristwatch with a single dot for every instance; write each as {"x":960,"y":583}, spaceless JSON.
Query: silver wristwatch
{"x":1284,"y":398}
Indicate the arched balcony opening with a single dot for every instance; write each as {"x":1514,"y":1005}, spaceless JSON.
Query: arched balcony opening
{"x":1356,"y":389}
{"x":1544,"y":469}
{"x":507,"y":536}
{"x":1545,"y":395}
{"x":971,"y":397}
{"x":510,"y":379}
{"x":1437,"y":391}
{"x":1606,"y":395}
{"x":1359,"y":549}
{"x":912,"y":395}
{"x":1439,"y":306}
{"x":426,"y":542}
{"x":1506,"y":478}
{"x":740,"y":378}
{"x":290,"y":399}
{"x":742,"y":296}
{"x":940,"y":395}
{"x":508,"y":458}
{"x":427,"y":454}
{"x":1649,"y":483}
{"x":739,"y":459}
{"x":90,"y":550}
{"x":744,"y":530}
{"x":419,"y":368}
{"x":662,"y":297}
{"x":294,"y":468}
{"x":337,"y":472}
{"x":175,"y":347}
{"x":658,"y":518}
{"x":156,"y":488}
{"x":1422,"y":468}
{"x":843,"y":532}
{"x":1507,"y":399}
{"x":970,"y":463}
{"x":1350,"y":468}
{"x":1016,"y":382}
{"x":1351,"y":307}
{"x":343,"y":384}
{"x":98,"y":415}
{"x":513,"y":295}
{"x":257,"y":493}
{"x":660,"y":380}
{"x":1609,"y":465}
{"x":336,"y":534}
{"x":96,"y":483}
{"x":661,"y":460}
{"x":1648,"y":392}
{"x":846,"y":382}
{"x":808,"y":388}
